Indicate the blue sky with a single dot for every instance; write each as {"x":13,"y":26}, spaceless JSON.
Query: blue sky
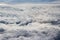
{"x":30,"y":1}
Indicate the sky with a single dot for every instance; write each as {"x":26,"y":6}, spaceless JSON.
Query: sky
{"x":30,"y":1}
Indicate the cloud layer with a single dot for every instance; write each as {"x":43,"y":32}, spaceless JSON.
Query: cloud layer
{"x":30,"y":22}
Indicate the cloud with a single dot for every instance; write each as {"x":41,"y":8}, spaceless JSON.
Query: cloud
{"x":29,"y":22}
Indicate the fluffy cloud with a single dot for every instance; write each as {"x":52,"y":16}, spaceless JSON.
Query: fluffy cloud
{"x":30,"y":22}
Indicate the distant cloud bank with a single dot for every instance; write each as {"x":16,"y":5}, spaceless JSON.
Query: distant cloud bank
{"x":30,"y":1}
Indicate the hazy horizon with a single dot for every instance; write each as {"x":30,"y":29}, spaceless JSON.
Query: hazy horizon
{"x":29,"y":1}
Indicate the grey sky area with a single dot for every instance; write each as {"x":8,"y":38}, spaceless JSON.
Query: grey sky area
{"x":29,"y":1}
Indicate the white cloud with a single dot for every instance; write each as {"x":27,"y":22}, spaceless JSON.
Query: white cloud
{"x":29,"y":22}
